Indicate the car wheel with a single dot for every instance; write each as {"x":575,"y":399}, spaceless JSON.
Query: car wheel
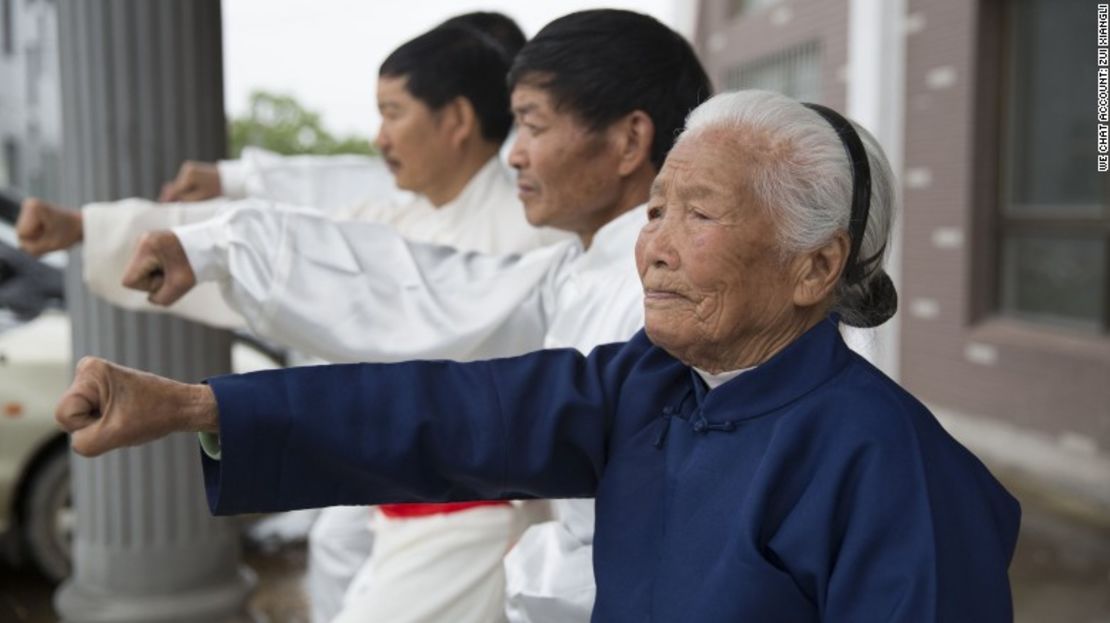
{"x":49,"y":517}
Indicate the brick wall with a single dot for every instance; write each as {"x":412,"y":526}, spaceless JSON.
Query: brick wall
{"x":723,"y":40}
{"x":955,"y":352}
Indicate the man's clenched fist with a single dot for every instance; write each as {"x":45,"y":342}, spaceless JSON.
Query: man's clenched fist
{"x":195,"y":181}
{"x":44,"y":227}
{"x":109,"y":407}
{"x":160,"y":267}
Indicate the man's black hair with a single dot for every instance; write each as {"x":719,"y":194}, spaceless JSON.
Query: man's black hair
{"x":498,"y":26}
{"x":456,"y":61}
{"x":603,"y":64}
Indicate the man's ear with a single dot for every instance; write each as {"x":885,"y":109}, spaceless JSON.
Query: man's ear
{"x":634,"y":136}
{"x":461,"y":120}
{"x":818,"y":271}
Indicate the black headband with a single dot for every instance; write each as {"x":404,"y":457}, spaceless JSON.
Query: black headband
{"x":854,"y":270}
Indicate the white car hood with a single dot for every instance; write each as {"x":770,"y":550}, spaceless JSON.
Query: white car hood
{"x":42,"y":340}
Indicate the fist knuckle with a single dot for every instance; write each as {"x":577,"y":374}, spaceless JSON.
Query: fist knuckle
{"x":90,"y":365}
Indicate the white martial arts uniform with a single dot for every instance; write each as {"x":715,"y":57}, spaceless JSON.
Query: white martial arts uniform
{"x":409,"y":562}
{"x":486,"y":216}
{"x":331,"y":184}
{"x":336,"y":185}
{"x":281,"y":268}
{"x":340,"y":541}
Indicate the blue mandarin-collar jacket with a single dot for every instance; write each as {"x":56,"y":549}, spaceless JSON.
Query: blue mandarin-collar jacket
{"x":812,"y":488}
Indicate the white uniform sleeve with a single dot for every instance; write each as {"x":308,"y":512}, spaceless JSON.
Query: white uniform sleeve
{"x":326,"y":182}
{"x":349,"y":291}
{"x":111,"y":231}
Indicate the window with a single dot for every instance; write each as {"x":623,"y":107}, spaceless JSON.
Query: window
{"x":32,"y":72}
{"x":11,"y":162}
{"x":1054,"y":217}
{"x":44,"y":180}
{"x":7,"y":27}
{"x":740,"y":7}
{"x":795,"y":72}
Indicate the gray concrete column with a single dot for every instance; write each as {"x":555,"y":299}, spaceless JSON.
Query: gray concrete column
{"x":142,"y":90}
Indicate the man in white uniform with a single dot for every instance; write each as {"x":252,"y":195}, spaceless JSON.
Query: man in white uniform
{"x":445,"y":112}
{"x":324,"y":182}
{"x":598,"y":97}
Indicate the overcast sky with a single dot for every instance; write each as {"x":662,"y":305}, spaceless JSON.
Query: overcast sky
{"x":327,"y":52}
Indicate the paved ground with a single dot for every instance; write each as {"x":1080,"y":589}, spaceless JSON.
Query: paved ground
{"x":1060,"y":574}
{"x":1061,"y":569}
{"x":25,"y":596}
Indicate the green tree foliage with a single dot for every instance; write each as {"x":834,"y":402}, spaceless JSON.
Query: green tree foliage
{"x":281,"y":124}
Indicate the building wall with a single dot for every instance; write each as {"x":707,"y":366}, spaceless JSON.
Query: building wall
{"x":957,"y":351}
{"x":30,"y":101}
{"x":725,"y":40}
{"x":1026,"y":394}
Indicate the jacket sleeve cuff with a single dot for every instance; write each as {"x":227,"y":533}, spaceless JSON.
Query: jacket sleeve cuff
{"x":233,"y":178}
{"x":210,"y":443}
{"x":205,"y":247}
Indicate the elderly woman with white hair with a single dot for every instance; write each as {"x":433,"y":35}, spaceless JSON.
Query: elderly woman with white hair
{"x":747,"y":465}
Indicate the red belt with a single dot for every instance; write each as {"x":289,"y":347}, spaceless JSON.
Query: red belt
{"x":401,"y":511}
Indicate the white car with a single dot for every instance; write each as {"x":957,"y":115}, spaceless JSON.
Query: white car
{"x":35,"y":511}
{"x":36,"y":514}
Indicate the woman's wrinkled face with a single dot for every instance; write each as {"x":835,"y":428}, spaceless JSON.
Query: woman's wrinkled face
{"x":713,"y":274}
